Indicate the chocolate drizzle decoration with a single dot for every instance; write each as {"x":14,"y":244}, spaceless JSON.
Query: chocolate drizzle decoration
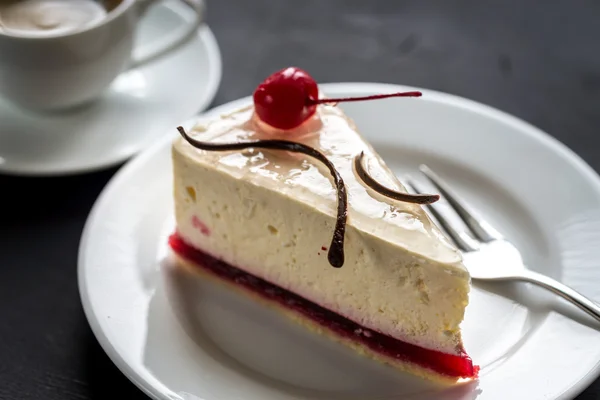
{"x":384,"y":191}
{"x":335,"y":254}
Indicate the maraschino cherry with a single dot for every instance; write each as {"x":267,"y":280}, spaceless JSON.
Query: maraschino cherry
{"x":290,"y":96}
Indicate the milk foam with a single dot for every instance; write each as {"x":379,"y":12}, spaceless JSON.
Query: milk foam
{"x":49,"y":17}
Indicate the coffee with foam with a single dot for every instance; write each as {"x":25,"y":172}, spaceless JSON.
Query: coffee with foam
{"x":51,"y":17}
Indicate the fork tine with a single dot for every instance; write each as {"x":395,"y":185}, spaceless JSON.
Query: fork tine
{"x":460,"y":240}
{"x":480,"y":229}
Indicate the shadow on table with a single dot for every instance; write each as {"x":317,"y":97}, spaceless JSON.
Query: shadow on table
{"x":27,"y":200}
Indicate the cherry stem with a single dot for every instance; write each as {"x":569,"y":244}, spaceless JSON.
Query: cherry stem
{"x":311,"y":102}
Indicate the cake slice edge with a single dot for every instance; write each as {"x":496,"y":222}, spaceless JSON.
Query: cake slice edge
{"x":185,"y":254}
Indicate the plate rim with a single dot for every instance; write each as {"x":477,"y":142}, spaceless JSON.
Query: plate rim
{"x":130,"y":167}
{"x":215,"y":73}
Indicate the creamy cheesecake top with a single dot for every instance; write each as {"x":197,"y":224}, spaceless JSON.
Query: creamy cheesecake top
{"x":305,"y":179}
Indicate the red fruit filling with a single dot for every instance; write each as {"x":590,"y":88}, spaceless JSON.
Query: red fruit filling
{"x":442,"y":363}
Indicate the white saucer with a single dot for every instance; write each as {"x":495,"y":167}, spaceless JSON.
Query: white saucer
{"x":177,"y":338}
{"x":135,"y":112}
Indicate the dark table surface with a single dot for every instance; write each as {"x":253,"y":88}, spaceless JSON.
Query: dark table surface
{"x":536,"y":59}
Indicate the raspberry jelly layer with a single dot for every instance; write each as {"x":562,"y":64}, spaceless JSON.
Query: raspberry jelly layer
{"x":442,"y":363}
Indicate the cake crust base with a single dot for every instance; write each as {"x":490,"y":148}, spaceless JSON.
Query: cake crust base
{"x":297,"y":317}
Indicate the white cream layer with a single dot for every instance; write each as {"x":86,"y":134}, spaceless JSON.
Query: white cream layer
{"x":271,"y":212}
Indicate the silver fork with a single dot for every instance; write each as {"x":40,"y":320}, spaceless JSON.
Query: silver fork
{"x":487,"y":255}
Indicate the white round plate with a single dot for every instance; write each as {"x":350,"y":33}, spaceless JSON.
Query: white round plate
{"x":177,"y":338}
{"x":135,"y":112}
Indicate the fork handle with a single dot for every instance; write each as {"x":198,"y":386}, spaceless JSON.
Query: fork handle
{"x":563,"y":291}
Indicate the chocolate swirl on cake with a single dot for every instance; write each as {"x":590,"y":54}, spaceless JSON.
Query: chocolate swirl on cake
{"x":384,"y":191}
{"x":335,"y":255}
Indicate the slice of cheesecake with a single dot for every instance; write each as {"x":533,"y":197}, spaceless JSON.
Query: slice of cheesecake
{"x":262,"y":220}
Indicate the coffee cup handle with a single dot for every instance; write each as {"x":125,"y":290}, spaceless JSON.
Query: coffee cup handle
{"x":162,"y":48}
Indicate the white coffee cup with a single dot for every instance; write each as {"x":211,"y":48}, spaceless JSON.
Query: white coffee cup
{"x":63,"y":70}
